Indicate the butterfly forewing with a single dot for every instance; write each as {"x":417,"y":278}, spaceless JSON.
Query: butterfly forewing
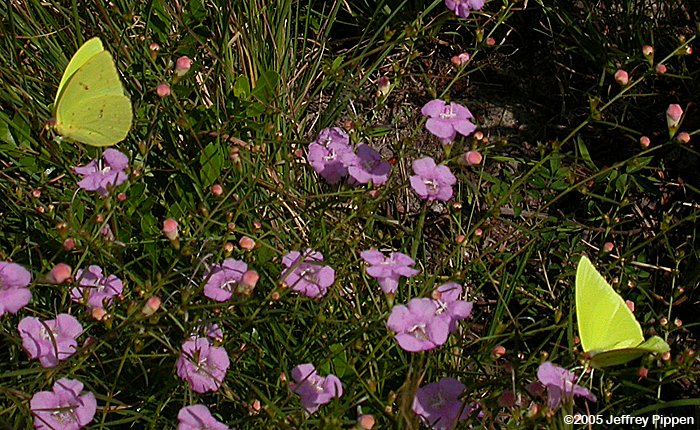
{"x":88,"y":50}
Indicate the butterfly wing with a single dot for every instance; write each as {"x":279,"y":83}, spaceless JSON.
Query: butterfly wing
{"x":620,"y":356}
{"x":89,"y":49}
{"x":92,"y":107}
{"x":605,"y":322}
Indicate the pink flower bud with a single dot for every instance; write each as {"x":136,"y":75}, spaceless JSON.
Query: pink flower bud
{"x":490,"y":41}
{"x":121,"y":197}
{"x":247,"y":243}
{"x":660,"y":69}
{"x":60,"y":273}
{"x":182,"y":65}
{"x":69,"y":244}
{"x":608,"y":247}
{"x":163,"y":90}
{"x":644,"y":142}
{"x":630,"y":305}
{"x":473,"y":158}
{"x":643,"y":372}
{"x":170,"y":229}
{"x":674,"y":114}
{"x":384,"y":85}
{"x":683,"y":137}
{"x":250,"y":278}
{"x":621,"y":77}
{"x":461,"y":59}
{"x":98,"y":313}
{"x":217,"y":190}
{"x":366,"y":422}
{"x":151,"y":306}
{"x":154,"y":48}
{"x":647,"y":50}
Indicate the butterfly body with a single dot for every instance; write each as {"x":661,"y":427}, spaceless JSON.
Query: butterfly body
{"x":90,"y":105}
{"x":610,"y":335}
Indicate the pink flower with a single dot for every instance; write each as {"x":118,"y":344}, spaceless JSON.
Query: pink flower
{"x":367,"y":165}
{"x":446,"y":120}
{"x":95,"y":288}
{"x":50,"y":341}
{"x":64,"y":407}
{"x":198,"y":417}
{"x":202,"y":365}
{"x":439,"y":405}
{"x":103,"y":178}
{"x":448,"y":303}
{"x":306,"y":275}
{"x":462,"y":8}
{"x":432,"y":182}
{"x":14,"y":291}
{"x":388,"y":270}
{"x":561,"y":385}
{"x":329,"y":160}
{"x":223,"y":279}
{"x":417,"y":326}
{"x":313,"y":389}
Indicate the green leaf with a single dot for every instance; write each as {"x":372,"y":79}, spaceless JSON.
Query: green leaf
{"x":265,"y":86}
{"x":241,"y":89}
{"x":212,"y":161}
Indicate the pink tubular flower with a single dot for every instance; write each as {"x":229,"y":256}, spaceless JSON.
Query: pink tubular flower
{"x":202,"y":365}
{"x":50,"y":341}
{"x":561,"y":385}
{"x":95,"y":288}
{"x":14,"y":287}
{"x":103,"y":179}
{"x":313,"y":389}
{"x":64,"y":407}
{"x":223,"y":279}
{"x":446,"y":120}
{"x":306,"y":275}
{"x":388,"y":270}
{"x":417,"y":326}
{"x":198,"y":417}
{"x":432,"y":182}
{"x":462,"y":8}
{"x":438,"y":404}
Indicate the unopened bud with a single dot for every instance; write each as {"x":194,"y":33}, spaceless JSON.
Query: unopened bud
{"x":622,"y":78}
{"x":163,"y":90}
{"x":151,"y":306}
{"x":182,"y":66}
{"x":473,"y":158}
{"x":59,"y":274}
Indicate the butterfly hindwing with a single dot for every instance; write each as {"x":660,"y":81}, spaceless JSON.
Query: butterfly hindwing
{"x":609,"y":332}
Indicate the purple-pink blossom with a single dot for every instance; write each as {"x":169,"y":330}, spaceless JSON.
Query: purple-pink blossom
{"x":313,"y":389}
{"x":561,"y":385}
{"x":223,"y":279}
{"x":103,"y":177}
{"x":202,"y":365}
{"x":198,"y":417}
{"x":367,"y":165}
{"x":417,"y":325}
{"x":14,"y":287}
{"x":94,"y":288}
{"x":328,"y":154}
{"x":439,"y":405}
{"x":65,"y":407}
{"x":388,"y":270}
{"x":432,"y":182}
{"x":445,"y":120}
{"x":50,"y":341}
{"x":448,"y":302}
{"x":462,"y":8}
{"x":306,"y":275}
